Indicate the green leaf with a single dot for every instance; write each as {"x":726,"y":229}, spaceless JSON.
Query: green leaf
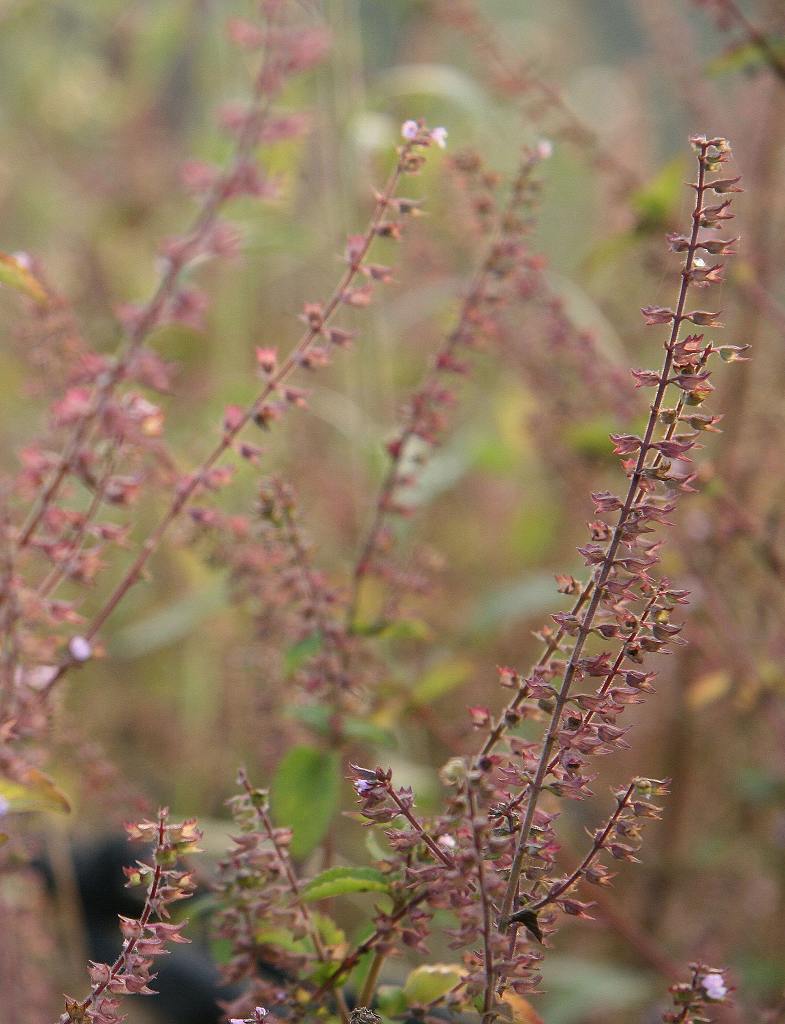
{"x":440,"y":679}
{"x":340,"y":881}
{"x":318,"y":717}
{"x":431,"y":981}
{"x":373,"y":846}
{"x":35,"y":792}
{"x":398,"y":629}
{"x":745,"y":57}
{"x":659,"y":198}
{"x":331,"y":934}
{"x":281,"y":938}
{"x":391,"y":1001}
{"x":518,"y":1010}
{"x":368,"y":732}
{"x":314,"y":716}
{"x":304,"y":796}
{"x":297,"y":655}
{"x":533,"y":595}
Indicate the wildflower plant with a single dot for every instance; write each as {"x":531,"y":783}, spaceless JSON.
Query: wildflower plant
{"x":147,"y":936}
{"x":489,"y":858}
{"x":482,"y":873}
{"x":706,"y":988}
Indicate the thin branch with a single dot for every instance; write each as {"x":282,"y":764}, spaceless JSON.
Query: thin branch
{"x":79,"y":535}
{"x":755,"y":36}
{"x":511,"y":894}
{"x":149,"y":315}
{"x":429,"y":841}
{"x":488,"y":1000}
{"x":382,"y":932}
{"x":501,"y":725}
{"x":513,"y":73}
{"x":372,"y":978}
{"x":78,"y":1011}
{"x":191,"y":485}
{"x":614,"y":669}
{"x":596,"y":849}
{"x":11,"y":614}
{"x":422,"y":400}
{"x":260,"y":809}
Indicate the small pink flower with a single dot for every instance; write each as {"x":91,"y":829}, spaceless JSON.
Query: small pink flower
{"x":258,"y":1015}
{"x":266,"y":359}
{"x":410,"y":130}
{"x":439,"y":136}
{"x":80,"y":648}
{"x":23,"y":260}
{"x":714,"y":986}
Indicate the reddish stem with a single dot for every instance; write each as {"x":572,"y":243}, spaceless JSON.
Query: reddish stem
{"x":597,"y":848}
{"x":276,"y":379}
{"x":511,"y":894}
{"x":429,"y":841}
{"x":488,"y":1000}
{"x":130,"y":944}
{"x":150,"y":314}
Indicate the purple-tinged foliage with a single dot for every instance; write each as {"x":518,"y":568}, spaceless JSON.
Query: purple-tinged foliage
{"x":145,"y":937}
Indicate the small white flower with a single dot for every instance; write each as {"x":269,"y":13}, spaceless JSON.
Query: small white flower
{"x":5,"y":806}
{"x":447,"y":842}
{"x":39,"y":677}
{"x":544,"y":149}
{"x":80,"y":648}
{"x":259,"y":1014}
{"x":714,"y":986}
{"x":699,"y":262}
{"x":410,"y":130}
{"x":439,"y":136}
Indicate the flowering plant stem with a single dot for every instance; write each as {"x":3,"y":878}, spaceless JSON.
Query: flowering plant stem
{"x":372,"y":978}
{"x":755,"y":36}
{"x":490,"y":971}
{"x":596,"y":848}
{"x":422,"y":401}
{"x":352,"y":958}
{"x":79,"y":1011}
{"x":429,"y":841}
{"x":510,"y":900}
{"x":191,"y":484}
{"x":149,"y":316}
{"x":259,"y":803}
